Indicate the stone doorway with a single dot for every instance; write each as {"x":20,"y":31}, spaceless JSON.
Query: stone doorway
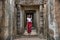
{"x":34,"y":26}
{"x":22,"y":13}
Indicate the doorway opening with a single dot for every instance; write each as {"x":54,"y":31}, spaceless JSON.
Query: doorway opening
{"x":33,"y":16}
{"x":31,"y":13}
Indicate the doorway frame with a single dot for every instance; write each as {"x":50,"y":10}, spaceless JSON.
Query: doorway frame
{"x":22,"y":12}
{"x":30,"y":12}
{"x":37,"y":15}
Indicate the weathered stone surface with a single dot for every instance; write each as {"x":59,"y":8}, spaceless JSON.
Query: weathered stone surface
{"x":57,"y":12}
{"x":28,"y":3}
{"x":36,"y":38}
{"x":1,"y":22}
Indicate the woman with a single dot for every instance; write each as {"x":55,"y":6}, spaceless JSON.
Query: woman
{"x":29,"y":24}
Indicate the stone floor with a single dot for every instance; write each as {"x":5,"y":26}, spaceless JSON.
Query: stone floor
{"x":32,"y":36}
{"x":32,"y":33}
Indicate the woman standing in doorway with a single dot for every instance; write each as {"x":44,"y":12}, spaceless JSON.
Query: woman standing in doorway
{"x":29,"y":23}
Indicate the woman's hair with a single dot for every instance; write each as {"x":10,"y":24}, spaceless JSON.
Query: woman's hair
{"x":29,"y":16}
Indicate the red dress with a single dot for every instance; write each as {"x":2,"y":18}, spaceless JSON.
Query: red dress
{"x":29,"y":25}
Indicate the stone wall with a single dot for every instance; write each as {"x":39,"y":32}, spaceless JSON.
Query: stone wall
{"x":1,"y":21}
{"x":57,"y":13}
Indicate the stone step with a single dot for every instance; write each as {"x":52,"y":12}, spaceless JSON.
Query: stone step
{"x":26,"y":36}
{"x":29,"y":36}
{"x":33,"y":38}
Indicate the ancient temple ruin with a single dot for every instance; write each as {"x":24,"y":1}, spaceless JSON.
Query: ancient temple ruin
{"x":45,"y":15}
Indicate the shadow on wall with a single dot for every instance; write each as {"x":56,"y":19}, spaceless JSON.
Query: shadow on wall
{"x":59,"y":1}
{"x":1,"y":34}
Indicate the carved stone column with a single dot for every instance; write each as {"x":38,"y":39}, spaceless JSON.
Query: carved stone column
{"x":20,"y":19}
{"x":11,"y":17}
{"x":41,"y":18}
{"x":9,"y":6}
{"x":51,"y":18}
{"x":6,"y":21}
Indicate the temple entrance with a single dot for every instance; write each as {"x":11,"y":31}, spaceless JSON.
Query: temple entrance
{"x":22,"y":20}
{"x":33,"y":16}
